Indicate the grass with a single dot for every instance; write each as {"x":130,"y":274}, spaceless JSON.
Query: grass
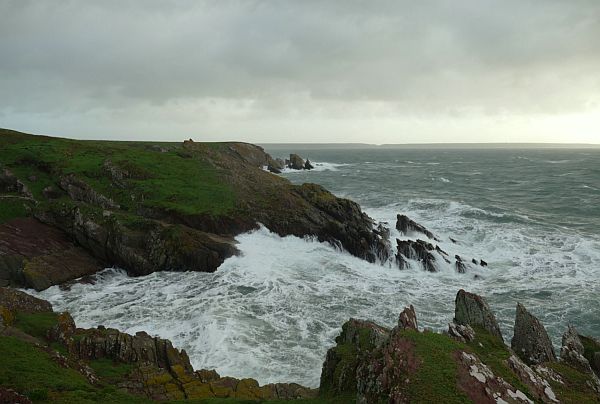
{"x":36,"y":324}
{"x":435,"y":379}
{"x":110,"y":370}
{"x":170,"y":181}
{"x":12,"y":208}
{"x":575,"y":389}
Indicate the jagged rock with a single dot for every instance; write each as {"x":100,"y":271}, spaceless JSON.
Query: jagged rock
{"x":17,"y":301}
{"x":460,"y":332}
{"x":571,"y":351}
{"x":483,"y":263}
{"x":308,"y":165}
{"x":383,"y":247}
{"x":405,"y":225}
{"x":356,"y":340}
{"x":591,"y":352}
{"x":530,"y":341}
{"x":460,"y":265}
{"x":78,"y":190}
{"x":408,"y":319}
{"x":296,"y":162}
{"x":471,"y":309}
{"x":474,"y":261}
{"x":417,"y":250}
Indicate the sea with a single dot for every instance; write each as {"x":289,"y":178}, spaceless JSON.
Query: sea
{"x":273,"y":312}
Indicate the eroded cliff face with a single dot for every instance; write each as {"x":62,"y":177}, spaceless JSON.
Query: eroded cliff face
{"x":149,"y":208}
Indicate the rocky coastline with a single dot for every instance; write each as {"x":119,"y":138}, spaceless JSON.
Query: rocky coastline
{"x":71,"y":208}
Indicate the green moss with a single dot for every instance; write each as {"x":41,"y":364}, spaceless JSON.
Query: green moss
{"x":36,"y":324}
{"x":435,"y":379}
{"x":494,"y":353}
{"x":575,"y":389}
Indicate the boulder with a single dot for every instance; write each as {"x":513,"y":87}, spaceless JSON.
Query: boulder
{"x":416,"y":250}
{"x":405,"y":225}
{"x":273,"y":169}
{"x":17,"y":301}
{"x":471,"y":309}
{"x":408,"y":319}
{"x":296,"y":162}
{"x":308,"y":165}
{"x":530,"y":341}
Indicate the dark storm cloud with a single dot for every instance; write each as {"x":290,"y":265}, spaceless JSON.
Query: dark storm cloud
{"x":433,"y":57}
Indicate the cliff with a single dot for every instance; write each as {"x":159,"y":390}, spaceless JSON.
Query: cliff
{"x":149,"y":207}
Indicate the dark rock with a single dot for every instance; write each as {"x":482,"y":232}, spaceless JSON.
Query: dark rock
{"x":471,"y":309}
{"x":416,"y":250}
{"x":474,"y":261}
{"x":273,"y":169}
{"x":460,"y":265}
{"x":483,"y":263}
{"x":591,"y":352}
{"x":308,"y":165}
{"x":530,"y":341}
{"x":453,"y":240}
{"x":296,"y":162}
{"x":405,"y":225}
{"x":408,"y":319}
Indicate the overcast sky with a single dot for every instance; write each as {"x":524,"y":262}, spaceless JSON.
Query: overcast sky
{"x":303,"y":71}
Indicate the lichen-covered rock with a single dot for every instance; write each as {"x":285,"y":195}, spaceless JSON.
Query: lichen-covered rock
{"x":530,"y":341}
{"x":17,"y":301}
{"x":471,"y":309}
{"x":408,"y":319}
{"x":571,"y":351}
{"x":358,"y":338}
{"x":538,"y":385}
{"x":461,"y":332}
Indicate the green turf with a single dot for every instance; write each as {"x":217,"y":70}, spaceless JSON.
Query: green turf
{"x":37,"y":324}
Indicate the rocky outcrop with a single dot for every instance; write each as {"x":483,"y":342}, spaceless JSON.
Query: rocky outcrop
{"x":591,"y":351}
{"x":9,"y":183}
{"x":79,"y":190}
{"x":572,"y":351}
{"x":460,"y":266}
{"x":408,"y":319}
{"x":17,"y":301}
{"x":415,"y":250}
{"x":308,"y":165}
{"x":471,"y":309}
{"x":37,"y":256}
{"x":405,"y":225}
{"x":461,"y":332}
{"x":530,"y":341}
{"x":296,"y":162}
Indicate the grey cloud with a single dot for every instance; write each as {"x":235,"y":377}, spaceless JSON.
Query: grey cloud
{"x":422,"y":58}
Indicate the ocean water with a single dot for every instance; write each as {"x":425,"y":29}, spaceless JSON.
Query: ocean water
{"x":272,"y":313}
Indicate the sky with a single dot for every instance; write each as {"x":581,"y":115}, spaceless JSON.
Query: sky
{"x":375,"y":72}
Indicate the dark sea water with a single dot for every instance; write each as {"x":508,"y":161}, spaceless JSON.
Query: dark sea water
{"x":271,"y":314}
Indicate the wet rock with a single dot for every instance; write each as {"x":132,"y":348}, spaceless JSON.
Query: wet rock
{"x":471,"y":309}
{"x":460,"y":332}
{"x":408,"y":319}
{"x":405,"y":225}
{"x":483,"y":263}
{"x":416,"y":250}
{"x":273,"y":169}
{"x":296,"y":162}
{"x":474,"y":261}
{"x":530,"y":341}
{"x":460,"y":265}
{"x":308,"y":165}
{"x":383,"y":247}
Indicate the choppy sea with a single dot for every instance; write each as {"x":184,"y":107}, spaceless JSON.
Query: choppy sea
{"x":272,"y":313}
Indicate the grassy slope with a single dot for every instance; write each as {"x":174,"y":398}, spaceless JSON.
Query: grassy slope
{"x":174,"y":180}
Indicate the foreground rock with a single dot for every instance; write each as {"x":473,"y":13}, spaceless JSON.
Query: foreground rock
{"x":472,"y":310}
{"x":530,"y":341}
